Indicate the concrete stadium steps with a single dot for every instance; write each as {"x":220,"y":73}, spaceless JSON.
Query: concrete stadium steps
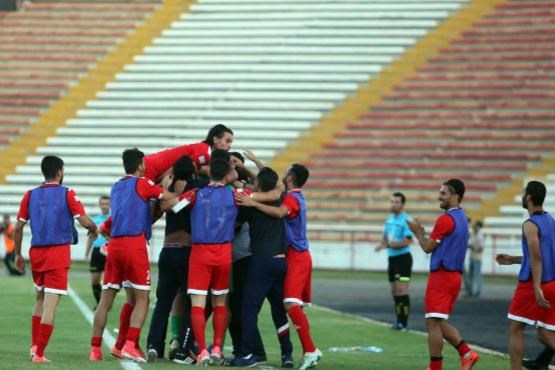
{"x":48,"y":45}
{"x":513,"y":215}
{"x":481,"y":110}
{"x":269,"y":70}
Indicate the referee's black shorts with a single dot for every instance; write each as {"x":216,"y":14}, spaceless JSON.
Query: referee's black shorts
{"x":98,"y":261}
{"x":400,"y":268}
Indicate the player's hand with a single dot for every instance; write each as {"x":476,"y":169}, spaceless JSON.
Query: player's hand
{"x":250,"y":155}
{"x":504,"y":259}
{"x":540,"y":299}
{"x":20,"y":263}
{"x":93,"y":235}
{"x":415,"y":226}
{"x":244,"y":200}
{"x":380,"y":247}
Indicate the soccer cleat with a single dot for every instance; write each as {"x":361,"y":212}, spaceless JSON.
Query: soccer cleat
{"x":248,"y":361}
{"x":131,"y":352}
{"x":116,"y":352}
{"x":39,"y":359}
{"x":184,"y":359}
{"x":203,"y":358}
{"x":151,"y":355}
{"x":32,"y":351}
{"x":287,"y":361}
{"x":260,"y":358}
{"x":469,"y":360}
{"x":319,"y":354}
{"x":95,"y":354}
{"x":174,"y":347}
{"x":533,"y":365}
{"x":216,"y":356}
{"x":399,"y":327}
{"x":310,"y":359}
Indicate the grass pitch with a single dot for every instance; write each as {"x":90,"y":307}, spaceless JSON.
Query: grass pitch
{"x":69,"y":345}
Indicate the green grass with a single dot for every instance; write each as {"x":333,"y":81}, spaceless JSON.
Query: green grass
{"x":70,"y":342}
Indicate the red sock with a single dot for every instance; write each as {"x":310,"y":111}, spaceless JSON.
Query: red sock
{"x":462,"y":348}
{"x":124,"y":319}
{"x":96,"y":341}
{"x":133,"y":334}
{"x":35,"y":327}
{"x":219,"y":321}
{"x":436,"y":363}
{"x":198,"y":322}
{"x":301,"y":323}
{"x":45,"y":332}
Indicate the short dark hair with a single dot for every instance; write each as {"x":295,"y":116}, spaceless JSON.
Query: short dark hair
{"x":132,"y":159}
{"x":50,"y":165}
{"x":104,"y":197}
{"x":479,"y":223}
{"x":400,"y":195}
{"x":183,"y":169}
{"x":219,"y":169}
{"x":217,"y":131}
{"x":220,"y":154}
{"x":238,"y":155}
{"x":299,"y":173}
{"x":456,"y":186}
{"x":537,"y":192}
{"x":267,"y":179}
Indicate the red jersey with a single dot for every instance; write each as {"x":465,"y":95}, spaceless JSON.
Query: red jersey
{"x":158,"y":163}
{"x":56,"y":256}
{"x":443,"y":227}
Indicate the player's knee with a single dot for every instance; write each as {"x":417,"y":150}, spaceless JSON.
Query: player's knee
{"x":289,"y":305}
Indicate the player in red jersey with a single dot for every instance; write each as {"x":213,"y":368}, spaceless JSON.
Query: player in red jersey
{"x":51,"y":209}
{"x":532,"y":303}
{"x":213,"y":215}
{"x":159,"y":164}
{"x":127,"y":262}
{"x":297,"y":289}
{"x":448,"y":244}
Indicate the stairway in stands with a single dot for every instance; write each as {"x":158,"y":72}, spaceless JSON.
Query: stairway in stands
{"x":267,"y":69}
{"x":483,"y":110}
{"x":47,"y":45}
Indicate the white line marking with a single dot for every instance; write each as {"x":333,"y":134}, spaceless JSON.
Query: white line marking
{"x":107,"y":338}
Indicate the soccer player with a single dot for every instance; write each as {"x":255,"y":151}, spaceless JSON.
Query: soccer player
{"x":396,"y":239}
{"x":535,"y":291}
{"x":299,"y":262}
{"x":7,"y":230}
{"x":265,"y":277}
{"x":51,"y":210}
{"x":213,"y":216}
{"x":447,"y":243}
{"x":159,"y":164}
{"x":97,"y":260}
{"x":127,"y":262}
{"x":173,"y":267}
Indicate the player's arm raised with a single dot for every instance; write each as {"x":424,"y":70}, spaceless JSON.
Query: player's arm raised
{"x":427,"y":245}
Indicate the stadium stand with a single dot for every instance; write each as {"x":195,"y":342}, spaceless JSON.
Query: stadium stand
{"x":482,"y":110}
{"x":47,"y":45}
{"x":268,"y":70}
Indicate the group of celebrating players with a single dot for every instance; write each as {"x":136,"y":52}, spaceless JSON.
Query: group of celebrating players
{"x":224,"y":221}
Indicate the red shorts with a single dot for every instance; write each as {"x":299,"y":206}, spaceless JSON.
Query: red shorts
{"x":127,"y":269}
{"x":51,"y":281}
{"x":209,"y":268}
{"x":298,"y":278}
{"x":546,"y":318}
{"x":441,"y":293}
{"x":523,"y":307}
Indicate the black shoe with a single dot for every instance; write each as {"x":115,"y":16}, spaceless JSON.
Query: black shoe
{"x":287,"y":361}
{"x":184,"y":359}
{"x":260,"y":358}
{"x":533,"y":365}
